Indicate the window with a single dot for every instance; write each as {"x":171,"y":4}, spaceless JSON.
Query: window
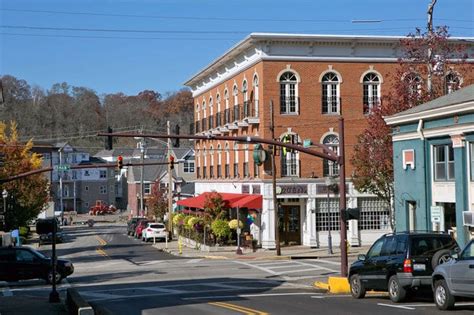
{"x":413,"y":82}
{"x":452,"y":83}
{"x":444,"y":163}
{"x":390,"y":246}
{"x":330,"y":93}
{"x":255,"y":95}
{"x":86,"y":188}
{"x":74,"y":174}
{"x":376,"y":249}
{"x":188,"y":166}
{"x":236,"y":161}
{"x":227,"y":161}
{"x":468,"y":252}
{"x":288,"y":93}
{"x":103,"y":174}
{"x":25,"y":256}
{"x":471,"y":154}
{"x":289,"y":158}
{"x":147,"y":188}
{"x":371,"y":90}
{"x":86,"y":173}
{"x":331,"y":168}
{"x":246,"y":160}
{"x":103,"y":189}
{"x":236,"y":111}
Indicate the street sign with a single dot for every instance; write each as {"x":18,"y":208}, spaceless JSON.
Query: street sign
{"x":307,"y":143}
{"x":63,"y":167}
{"x":436,"y":212}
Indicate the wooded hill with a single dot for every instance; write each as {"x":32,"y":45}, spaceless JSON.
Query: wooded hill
{"x":77,"y":114}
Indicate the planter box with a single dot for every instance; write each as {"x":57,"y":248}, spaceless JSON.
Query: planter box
{"x":198,"y":246}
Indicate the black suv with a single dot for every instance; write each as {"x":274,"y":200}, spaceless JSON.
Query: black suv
{"x":400,"y":262}
{"x":23,"y":263}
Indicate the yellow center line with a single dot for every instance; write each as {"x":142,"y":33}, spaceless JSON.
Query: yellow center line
{"x":99,"y":249}
{"x":238,"y":308}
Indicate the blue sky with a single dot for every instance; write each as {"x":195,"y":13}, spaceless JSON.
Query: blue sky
{"x":182,"y":36}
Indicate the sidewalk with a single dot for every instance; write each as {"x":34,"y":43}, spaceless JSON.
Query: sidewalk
{"x":26,"y":305}
{"x":287,"y":252}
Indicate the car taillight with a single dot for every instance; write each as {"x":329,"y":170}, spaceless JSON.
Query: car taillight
{"x":407,"y":266}
{"x":149,"y":230}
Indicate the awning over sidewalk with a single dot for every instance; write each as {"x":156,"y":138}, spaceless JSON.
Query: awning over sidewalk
{"x":231,"y":201}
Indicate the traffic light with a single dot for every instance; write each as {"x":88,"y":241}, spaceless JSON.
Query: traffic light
{"x":171,"y":162}
{"x":109,"y":140}
{"x":119,"y":162}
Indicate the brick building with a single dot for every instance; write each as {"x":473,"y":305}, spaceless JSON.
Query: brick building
{"x":312,"y":80}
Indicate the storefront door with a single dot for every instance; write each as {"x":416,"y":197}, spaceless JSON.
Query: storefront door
{"x":290,"y":233}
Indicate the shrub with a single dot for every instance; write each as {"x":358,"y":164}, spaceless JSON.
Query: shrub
{"x":233,"y":224}
{"x":24,"y":231}
{"x":178,"y":219}
{"x":220,"y":228}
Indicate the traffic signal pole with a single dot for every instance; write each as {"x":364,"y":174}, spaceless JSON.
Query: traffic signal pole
{"x":342,"y":199}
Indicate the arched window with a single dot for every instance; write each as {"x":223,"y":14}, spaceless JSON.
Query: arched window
{"x":246,"y":109}
{"x":235,"y":111}
{"x":452,"y":83}
{"x":246,"y":160}
{"x":413,"y":82}
{"x":211,"y":167}
{"x":204,"y":167}
{"x":255,"y":96}
{"x":331,"y":93}
{"x":331,"y":168}
{"x":198,"y":168}
{"x":219,"y":161}
{"x":227,"y":160}
{"x":211,"y":113}
{"x":289,"y":158}
{"x":227,"y":110}
{"x":218,"y":111}
{"x":288,"y":93}
{"x":371,"y":90}
{"x":236,"y":160}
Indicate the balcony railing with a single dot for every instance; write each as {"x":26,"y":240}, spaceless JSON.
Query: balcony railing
{"x":211,"y":122}
{"x":250,"y":109}
{"x":236,"y":113}
{"x":219,"y":119}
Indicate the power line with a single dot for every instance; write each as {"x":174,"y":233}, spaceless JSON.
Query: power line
{"x":114,"y":37}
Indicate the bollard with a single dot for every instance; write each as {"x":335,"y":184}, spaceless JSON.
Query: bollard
{"x":180,"y":245}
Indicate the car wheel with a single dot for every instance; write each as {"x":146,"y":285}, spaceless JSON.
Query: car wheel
{"x":444,"y":300}
{"x":357,"y":287}
{"x":440,"y":257}
{"x":395,"y":291}
{"x":49,"y":277}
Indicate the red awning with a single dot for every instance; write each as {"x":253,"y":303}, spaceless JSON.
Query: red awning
{"x":231,"y":200}
{"x":249,"y":201}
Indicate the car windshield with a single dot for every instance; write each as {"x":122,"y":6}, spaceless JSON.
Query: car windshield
{"x":157,"y":226}
{"x":428,"y":245}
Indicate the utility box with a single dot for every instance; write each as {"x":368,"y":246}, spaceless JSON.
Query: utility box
{"x":45,"y":226}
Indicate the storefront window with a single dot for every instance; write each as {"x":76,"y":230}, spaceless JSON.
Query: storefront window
{"x":444,"y":162}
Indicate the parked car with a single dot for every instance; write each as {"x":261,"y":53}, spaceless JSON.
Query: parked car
{"x":154,"y":230}
{"x":140,"y":226}
{"x":48,"y":238}
{"x":23,"y":263}
{"x":400,"y":262}
{"x":132,"y":224}
{"x":454,"y":278}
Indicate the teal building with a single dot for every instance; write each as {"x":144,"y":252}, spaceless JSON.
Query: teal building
{"x":433,"y":156}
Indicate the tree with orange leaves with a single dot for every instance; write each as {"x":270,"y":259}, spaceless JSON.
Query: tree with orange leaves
{"x":28,"y":196}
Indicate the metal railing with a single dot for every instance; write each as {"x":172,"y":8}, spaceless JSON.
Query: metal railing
{"x":236,"y":113}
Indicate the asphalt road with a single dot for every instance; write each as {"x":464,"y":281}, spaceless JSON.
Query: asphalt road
{"x":127,"y":276}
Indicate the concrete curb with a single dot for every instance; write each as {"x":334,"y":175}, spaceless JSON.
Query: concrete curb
{"x":76,"y":304}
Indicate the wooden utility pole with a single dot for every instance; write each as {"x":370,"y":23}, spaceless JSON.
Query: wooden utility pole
{"x":429,"y":84}
{"x":342,"y":200}
{"x":275,"y":201}
{"x":170,"y":182}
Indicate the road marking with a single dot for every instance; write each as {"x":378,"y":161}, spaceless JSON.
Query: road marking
{"x":275,"y":263}
{"x":330,"y":262}
{"x":194,"y":261}
{"x":102,"y":242}
{"x":300,"y":270}
{"x":247,"y":295}
{"x":396,"y":306}
{"x":238,"y":308}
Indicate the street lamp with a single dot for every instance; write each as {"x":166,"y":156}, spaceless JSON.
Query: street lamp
{"x":329,"y":183}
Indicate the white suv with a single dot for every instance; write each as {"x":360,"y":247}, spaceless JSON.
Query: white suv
{"x":154,"y":230}
{"x":454,"y":278}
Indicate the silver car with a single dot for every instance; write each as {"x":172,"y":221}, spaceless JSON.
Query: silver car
{"x":454,"y":278}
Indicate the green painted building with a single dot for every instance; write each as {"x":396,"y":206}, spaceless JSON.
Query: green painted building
{"x":433,"y":155}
